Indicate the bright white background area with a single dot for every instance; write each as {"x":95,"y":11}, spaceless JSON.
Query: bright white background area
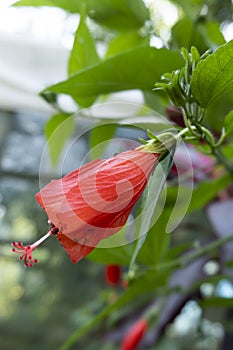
{"x":35,"y":45}
{"x":34,"y":51}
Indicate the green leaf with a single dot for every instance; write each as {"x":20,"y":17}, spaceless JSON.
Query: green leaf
{"x":83,"y":55}
{"x":213,"y":76}
{"x":157,"y":241}
{"x":208,"y":190}
{"x":185,"y":25}
{"x":217,"y":302}
{"x":118,"y":255}
{"x":57,"y":131}
{"x":213,"y":33}
{"x":228,"y":123}
{"x":227,"y":150}
{"x":202,"y":33}
{"x":137,"y":68}
{"x":113,"y":250}
{"x":154,"y":189}
{"x":126,"y":41}
{"x":216,"y":112}
{"x":116,"y":14}
{"x":99,"y":138}
{"x":176,"y":251}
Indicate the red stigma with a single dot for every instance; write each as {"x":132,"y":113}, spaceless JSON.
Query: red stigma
{"x":27,"y":250}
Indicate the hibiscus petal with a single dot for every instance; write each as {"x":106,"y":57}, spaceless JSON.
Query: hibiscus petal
{"x":76,"y":251}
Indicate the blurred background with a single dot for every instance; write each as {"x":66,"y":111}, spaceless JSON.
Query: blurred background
{"x":34,"y":305}
{"x":40,"y":308}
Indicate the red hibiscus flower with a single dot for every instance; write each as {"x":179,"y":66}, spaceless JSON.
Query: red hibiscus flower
{"x":94,"y":201}
{"x":135,"y":334}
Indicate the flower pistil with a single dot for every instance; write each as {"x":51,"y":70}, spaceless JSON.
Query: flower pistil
{"x":27,"y":250}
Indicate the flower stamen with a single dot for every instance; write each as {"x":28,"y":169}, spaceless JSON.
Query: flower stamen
{"x":27,"y":250}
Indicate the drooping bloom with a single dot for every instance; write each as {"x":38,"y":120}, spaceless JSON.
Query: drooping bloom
{"x":134,"y":335}
{"x":94,"y":201}
{"x":112,"y":274}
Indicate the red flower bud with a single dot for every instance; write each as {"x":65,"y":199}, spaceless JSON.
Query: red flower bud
{"x":113,"y":274}
{"x":134,"y":335}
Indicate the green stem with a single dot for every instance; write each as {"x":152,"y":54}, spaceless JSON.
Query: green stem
{"x":222,"y":160}
{"x":190,"y":257}
{"x":187,"y":122}
{"x":198,"y":131}
{"x":221,"y":139}
{"x":209,"y":137}
{"x":201,"y":114}
{"x":186,"y":130}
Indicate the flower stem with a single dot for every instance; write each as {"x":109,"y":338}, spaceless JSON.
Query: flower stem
{"x":185,"y":131}
{"x":222,"y":160}
{"x":200,"y":132}
{"x":188,"y":258}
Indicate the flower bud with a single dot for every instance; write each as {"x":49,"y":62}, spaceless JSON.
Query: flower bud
{"x":134,"y":335}
{"x":113,"y":274}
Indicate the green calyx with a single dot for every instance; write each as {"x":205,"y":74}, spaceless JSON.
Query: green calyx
{"x":159,"y":144}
